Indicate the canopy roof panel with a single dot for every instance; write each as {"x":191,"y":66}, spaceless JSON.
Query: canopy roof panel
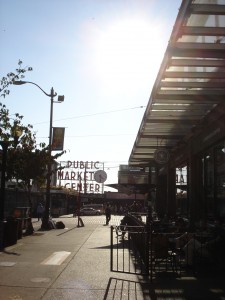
{"x":190,"y":83}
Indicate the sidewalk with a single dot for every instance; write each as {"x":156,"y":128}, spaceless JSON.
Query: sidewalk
{"x":74,"y":263}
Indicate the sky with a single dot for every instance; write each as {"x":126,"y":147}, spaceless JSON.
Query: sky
{"x":102,"y":55}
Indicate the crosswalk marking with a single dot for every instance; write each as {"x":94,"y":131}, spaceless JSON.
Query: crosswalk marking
{"x":56,"y":258}
{"x":7,"y":264}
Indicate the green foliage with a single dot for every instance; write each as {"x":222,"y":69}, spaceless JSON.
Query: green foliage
{"x":25,"y":165}
{"x":22,"y":150}
{"x":7,"y":80}
{"x":26,"y":159}
{"x":10,"y":128}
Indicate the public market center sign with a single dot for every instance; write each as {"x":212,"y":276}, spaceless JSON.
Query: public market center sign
{"x":80,"y":175}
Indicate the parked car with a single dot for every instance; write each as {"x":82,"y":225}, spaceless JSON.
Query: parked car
{"x":88,"y":211}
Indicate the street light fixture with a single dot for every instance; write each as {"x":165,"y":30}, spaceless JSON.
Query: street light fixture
{"x":5,"y":145}
{"x":45,"y":221}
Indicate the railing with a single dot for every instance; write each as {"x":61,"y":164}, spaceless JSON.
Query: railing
{"x":138,"y":249}
{"x":129,"y":250}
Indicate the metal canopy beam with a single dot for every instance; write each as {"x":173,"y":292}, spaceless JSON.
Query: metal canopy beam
{"x":198,"y":46}
{"x":206,"y":31}
{"x":190,"y":93}
{"x":193,"y":84}
{"x":149,"y":136}
{"x":210,"y":75}
{"x":175,"y":122}
{"x":190,"y":86}
{"x":184,"y":62}
{"x":151,"y":147}
{"x":207,"y":9}
{"x":198,"y":52}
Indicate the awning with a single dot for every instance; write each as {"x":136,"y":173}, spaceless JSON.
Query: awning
{"x":190,"y":83}
{"x":129,"y":188}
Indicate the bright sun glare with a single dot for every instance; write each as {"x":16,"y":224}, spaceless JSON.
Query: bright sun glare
{"x":129,"y":51}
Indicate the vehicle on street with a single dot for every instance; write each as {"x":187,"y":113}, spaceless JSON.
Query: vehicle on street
{"x":89,"y":211}
{"x":98,"y":207}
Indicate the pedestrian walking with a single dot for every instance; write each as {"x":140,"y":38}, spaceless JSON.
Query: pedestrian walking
{"x":40,"y":210}
{"x":108,"y":214}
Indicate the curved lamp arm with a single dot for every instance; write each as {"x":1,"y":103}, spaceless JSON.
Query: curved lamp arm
{"x":20,"y":82}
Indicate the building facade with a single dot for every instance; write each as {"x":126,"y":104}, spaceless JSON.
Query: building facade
{"x":183,"y":126}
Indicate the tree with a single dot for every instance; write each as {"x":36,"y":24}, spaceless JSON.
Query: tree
{"x":7,"y":80}
{"x":21,"y":151}
{"x":26,"y":160}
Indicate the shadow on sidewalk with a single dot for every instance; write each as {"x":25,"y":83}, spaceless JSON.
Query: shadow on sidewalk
{"x":118,"y":288}
{"x":169,"y":288}
{"x":11,"y":252}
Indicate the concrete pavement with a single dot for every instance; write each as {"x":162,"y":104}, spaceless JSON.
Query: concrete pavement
{"x":74,"y":263}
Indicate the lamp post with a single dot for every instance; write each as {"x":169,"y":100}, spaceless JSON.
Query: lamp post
{"x":5,"y":145}
{"x":45,"y":220}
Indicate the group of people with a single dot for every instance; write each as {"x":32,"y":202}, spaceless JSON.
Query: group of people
{"x":108,"y":211}
{"x":189,"y":244}
{"x":121,"y":209}
{"x":213,"y":249}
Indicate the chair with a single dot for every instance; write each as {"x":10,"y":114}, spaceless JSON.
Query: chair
{"x":162,"y":255}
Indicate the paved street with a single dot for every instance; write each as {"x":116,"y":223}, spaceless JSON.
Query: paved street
{"x":74,"y":263}
{"x":70,"y":263}
{"x":70,"y":220}
{"x":115,"y":219}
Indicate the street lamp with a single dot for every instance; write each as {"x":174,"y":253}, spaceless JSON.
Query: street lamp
{"x":45,"y":220}
{"x":5,"y":145}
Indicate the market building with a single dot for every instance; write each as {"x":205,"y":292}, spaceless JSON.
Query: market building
{"x":183,"y":127}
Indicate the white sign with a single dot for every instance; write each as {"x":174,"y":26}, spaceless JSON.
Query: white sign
{"x":80,"y":176}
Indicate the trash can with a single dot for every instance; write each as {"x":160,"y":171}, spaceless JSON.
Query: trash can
{"x":19,"y":228}
{"x":21,"y":214}
{"x":10,"y":232}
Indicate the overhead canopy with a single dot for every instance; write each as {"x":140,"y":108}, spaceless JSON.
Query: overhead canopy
{"x":129,"y":188}
{"x":190,"y":82}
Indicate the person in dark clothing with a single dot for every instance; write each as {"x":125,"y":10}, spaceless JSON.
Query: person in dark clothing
{"x":108,"y":214}
{"x":134,"y":207}
{"x":40,"y":211}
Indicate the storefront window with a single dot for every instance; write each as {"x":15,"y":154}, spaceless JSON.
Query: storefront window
{"x":153,"y":175}
{"x":209,"y":174}
{"x":181,"y":191}
{"x":214,"y":181}
{"x":208,"y":204}
{"x":220,"y":178}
